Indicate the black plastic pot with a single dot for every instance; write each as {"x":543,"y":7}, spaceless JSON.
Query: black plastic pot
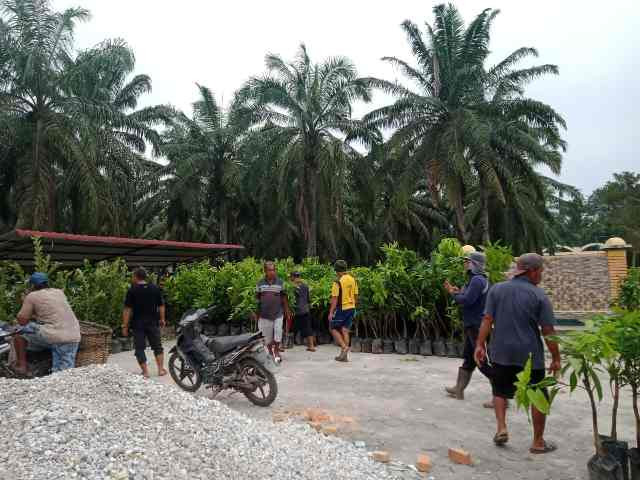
{"x":298,"y":339}
{"x":211,"y":330}
{"x":451,"y":349}
{"x":356,"y":345}
{"x":414,"y":346}
{"x":235,"y":329}
{"x":376,"y":346}
{"x":439,"y":348}
{"x":366,"y":345}
{"x":326,"y":338}
{"x":401,"y":346}
{"x":604,"y":468}
{"x":634,"y":463}
{"x":425,"y":348}
{"x":618,"y":450}
{"x":387,"y":345}
{"x":116,"y":346}
{"x":223,"y":329}
{"x":460,"y":348}
{"x":127,"y":344}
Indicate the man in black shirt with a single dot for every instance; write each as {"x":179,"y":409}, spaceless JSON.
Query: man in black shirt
{"x":144,"y":309}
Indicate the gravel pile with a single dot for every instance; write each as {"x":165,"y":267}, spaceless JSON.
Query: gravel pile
{"x":100,"y":422}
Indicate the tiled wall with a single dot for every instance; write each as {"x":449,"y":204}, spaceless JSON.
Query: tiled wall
{"x":577,"y":282}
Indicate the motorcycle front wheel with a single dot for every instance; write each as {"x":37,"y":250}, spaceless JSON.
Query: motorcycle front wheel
{"x":183,"y":374}
{"x":265,"y":387}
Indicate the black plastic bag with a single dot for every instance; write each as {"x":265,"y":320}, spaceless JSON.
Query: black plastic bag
{"x":401,"y":346}
{"x":604,"y":468}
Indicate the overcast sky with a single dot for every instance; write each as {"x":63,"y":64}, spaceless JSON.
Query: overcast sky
{"x":222,"y":43}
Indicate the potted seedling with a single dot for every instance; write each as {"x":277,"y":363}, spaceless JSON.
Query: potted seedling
{"x":585,"y":352}
{"x":628,"y":344}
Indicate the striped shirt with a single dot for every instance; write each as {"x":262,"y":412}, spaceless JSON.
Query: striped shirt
{"x":270,"y":298}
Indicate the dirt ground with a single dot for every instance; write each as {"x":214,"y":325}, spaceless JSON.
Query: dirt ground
{"x":397,"y":403}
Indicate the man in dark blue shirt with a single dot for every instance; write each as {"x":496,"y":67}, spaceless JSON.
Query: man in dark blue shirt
{"x":472,"y":298}
{"x":521,"y":316}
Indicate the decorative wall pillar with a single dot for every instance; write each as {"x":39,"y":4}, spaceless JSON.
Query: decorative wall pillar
{"x":616,"y":249}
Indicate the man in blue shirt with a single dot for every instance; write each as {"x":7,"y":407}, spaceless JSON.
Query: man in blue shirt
{"x":521,"y":315}
{"x":472,"y":299}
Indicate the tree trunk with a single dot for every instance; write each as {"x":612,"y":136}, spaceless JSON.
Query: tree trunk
{"x":614,"y":411}
{"x":460,"y":225}
{"x":309,"y":207}
{"x":594,"y":415}
{"x":484,"y":216}
{"x":312,"y":242}
{"x":223,"y":219}
{"x":636,"y":412}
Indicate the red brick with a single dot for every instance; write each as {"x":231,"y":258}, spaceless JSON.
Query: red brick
{"x":317,"y":426}
{"x":382,"y":456}
{"x":457,"y":455}
{"x":424,"y":463}
{"x":330,"y":430}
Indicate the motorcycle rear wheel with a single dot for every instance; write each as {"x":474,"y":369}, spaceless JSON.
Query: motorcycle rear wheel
{"x":257,"y":396}
{"x":186,"y":378}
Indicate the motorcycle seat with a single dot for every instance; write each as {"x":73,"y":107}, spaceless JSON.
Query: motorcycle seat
{"x":226,"y":344}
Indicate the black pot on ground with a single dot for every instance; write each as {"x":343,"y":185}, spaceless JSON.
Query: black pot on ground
{"x":439,"y":348}
{"x":366,"y":345}
{"x":387,"y":345}
{"x":116,"y":346}
{"x":460,"y":349}
{"x":604,"y":468}
{"x":326,"y":338}
{"x":634,"y":463}
{"x":425,"y":348}
{"x":402,"y":346}
{"x":356,"y":345}
{"x":414,"y":346}
{"x":376,"y":346}
{"x":298,"y":339}
{"x":223,"y":329}
{"x":127,"y":344}
{"x":235,"y":329}
{"x":210,"y":329}
{"x":451,"y":349}
{"x":618,"y":450}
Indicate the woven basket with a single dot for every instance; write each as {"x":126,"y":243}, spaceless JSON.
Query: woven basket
{"x":95,"y":343}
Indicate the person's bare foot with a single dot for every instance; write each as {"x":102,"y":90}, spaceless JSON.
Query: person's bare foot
{"x":162,"y":372}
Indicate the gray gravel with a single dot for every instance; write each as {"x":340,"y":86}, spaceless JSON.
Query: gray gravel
{"x":100,"y":422}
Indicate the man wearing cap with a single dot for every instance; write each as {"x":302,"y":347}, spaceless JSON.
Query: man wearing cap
{"x":472,"y":298}
{"x":55,"y":328}
{"x":520,"y":314}
{"x":344,"y":297}
{"x":302,"y":319}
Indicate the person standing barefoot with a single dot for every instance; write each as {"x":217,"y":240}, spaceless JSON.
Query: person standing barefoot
{"x":145,"y":312}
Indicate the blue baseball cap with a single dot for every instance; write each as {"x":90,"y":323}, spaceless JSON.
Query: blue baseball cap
{"x":38,"y":278}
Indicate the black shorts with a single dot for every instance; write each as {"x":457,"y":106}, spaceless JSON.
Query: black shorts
{"x":504,"y":377}
{"x":302,"y":324}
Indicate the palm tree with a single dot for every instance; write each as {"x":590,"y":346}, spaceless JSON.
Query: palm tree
{"x":203,"y":155}
{"x":73,"y":116}
{"x":310,"y":106}
{"x":456,"y":119}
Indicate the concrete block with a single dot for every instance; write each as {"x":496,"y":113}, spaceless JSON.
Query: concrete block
{"x":382,"y":456}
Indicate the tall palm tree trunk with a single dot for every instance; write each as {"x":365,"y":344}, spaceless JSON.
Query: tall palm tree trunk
{"x":484,"y":215}
{"x":311,"y":227}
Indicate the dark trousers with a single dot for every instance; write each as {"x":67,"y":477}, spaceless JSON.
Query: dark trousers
{"x":470,"y":338}
{"x":142,"y":333}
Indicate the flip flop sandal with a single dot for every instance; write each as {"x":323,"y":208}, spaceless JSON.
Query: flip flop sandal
{"x":548,"y":448}
{"x":501,"y":438}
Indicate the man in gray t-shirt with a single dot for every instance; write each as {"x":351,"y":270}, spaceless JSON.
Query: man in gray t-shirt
{"x":521,"y":315}
{"x":272,"y":307}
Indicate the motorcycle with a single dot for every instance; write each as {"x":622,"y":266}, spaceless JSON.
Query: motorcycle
{"x":240,"y":363}
{"x":39,"y":363}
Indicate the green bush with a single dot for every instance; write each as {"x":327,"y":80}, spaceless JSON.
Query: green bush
{"x":629,"y":297}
